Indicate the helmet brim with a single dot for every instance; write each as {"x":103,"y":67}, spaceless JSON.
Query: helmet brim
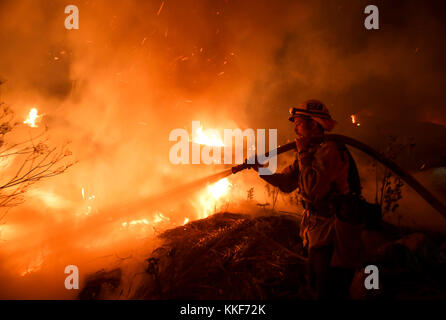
{"x":326,"y":122}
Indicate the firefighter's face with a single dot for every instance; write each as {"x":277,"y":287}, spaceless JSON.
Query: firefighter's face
{"x":304,"y":126}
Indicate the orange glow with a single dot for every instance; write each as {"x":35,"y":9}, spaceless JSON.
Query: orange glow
{"x":6,"y":231}
{"x":35,"y":265}
{"x":50,"y":199}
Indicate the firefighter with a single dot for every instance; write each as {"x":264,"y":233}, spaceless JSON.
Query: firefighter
{"x":323,"y":172}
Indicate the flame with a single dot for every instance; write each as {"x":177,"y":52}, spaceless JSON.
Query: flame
{"x":32,"y":117}
{"x":157,"y":218}
{"x":133,"y":222}
{"x":213,"y":197}
{"x":210,"y":139}
{"x":160,"y":217}
{"x":355,"y":120}
{"x":220,"y":188}
{"x":186,"y":220}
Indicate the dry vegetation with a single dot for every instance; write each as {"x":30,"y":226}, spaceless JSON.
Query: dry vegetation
{"x":29,"y":160}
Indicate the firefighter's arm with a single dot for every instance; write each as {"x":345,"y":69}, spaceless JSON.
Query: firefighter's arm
{"x":287,"y":180}
{"x":319,"y":169}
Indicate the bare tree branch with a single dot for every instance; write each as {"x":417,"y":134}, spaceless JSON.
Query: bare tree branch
{"x":33,"y":158}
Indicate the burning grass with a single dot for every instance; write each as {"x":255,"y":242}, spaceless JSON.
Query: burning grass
{"x":241,"y":257}
{"x":227,"y":256}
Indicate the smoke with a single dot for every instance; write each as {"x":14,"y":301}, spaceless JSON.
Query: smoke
{"x":135,"y":70}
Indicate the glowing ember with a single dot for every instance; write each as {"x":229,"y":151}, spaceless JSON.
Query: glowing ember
{"x":32,"y":117}
{"x":160,"y":9}
{"x":355,"y":120}
{"x":186,"y":220}
{"x":210,"y":138}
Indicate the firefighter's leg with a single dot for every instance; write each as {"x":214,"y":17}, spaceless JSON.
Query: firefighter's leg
{"x":319,"y":260}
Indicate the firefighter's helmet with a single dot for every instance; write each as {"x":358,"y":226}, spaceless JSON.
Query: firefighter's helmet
{"x":316,"y":110}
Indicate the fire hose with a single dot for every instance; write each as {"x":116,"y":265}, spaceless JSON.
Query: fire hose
{"x":393,"y":166}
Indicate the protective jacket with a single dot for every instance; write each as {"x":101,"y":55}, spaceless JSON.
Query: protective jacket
{"x":321,"y":174}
